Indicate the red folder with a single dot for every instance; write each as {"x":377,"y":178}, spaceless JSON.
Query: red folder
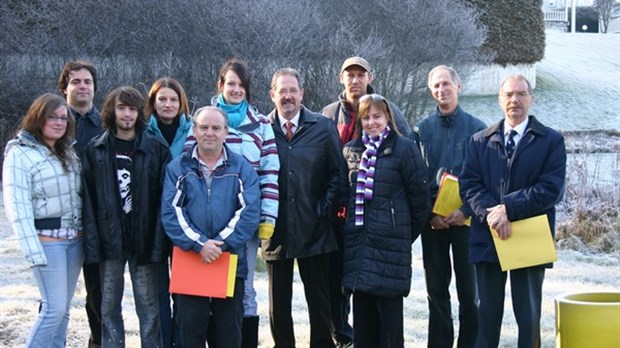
{"x":190,"y":276}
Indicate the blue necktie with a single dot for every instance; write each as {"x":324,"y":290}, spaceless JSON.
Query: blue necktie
{"x":510,"y":144}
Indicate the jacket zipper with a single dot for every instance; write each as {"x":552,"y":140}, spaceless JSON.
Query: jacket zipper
{"x":393,"y":214}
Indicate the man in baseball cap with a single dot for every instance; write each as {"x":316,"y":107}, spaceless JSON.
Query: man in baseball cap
{"x":355,"y":76}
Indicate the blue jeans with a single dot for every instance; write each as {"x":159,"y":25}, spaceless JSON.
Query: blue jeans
{"x":250,"y":308}
{"x":56,"y":282}
{"x":145,"y":291}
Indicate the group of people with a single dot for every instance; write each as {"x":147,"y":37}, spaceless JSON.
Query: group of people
{"x":342,"y":193}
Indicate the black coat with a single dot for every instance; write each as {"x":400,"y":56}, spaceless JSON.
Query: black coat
{"x":102,"y":214}
{"x":377,"y":255}
{"x":311,"y":183}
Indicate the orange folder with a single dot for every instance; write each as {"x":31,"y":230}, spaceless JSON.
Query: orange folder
{"x":190,"y":276}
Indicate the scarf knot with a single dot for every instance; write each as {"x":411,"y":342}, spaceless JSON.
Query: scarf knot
{"x":366,"y":173}
{"x":235,"y":112}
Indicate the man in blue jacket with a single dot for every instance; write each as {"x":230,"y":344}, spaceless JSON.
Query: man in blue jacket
{"x":513,"y":170}
{"x":211,"y":204}
{"x":443,"y":138}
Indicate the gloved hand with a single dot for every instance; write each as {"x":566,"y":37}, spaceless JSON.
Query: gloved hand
{"x":265,"y":230}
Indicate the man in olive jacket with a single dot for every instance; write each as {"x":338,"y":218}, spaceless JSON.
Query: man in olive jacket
{"x":311,"y":188}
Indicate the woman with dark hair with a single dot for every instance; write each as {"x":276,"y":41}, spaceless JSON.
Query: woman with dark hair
{"x":249,"y":134}
{"x":388,"y":206}
{"x":168,"y":111}
{"x":42,"y":198}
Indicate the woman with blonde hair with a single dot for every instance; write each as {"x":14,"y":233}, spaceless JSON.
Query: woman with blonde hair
{"x":42,"y":198}
{"x":388,"y":206}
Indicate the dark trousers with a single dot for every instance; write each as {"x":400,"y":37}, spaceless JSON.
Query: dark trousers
{"x":436,"y":245}
{"x":314,"y":272}
{"x":193,"y":313}
{"x":165,"y":312}
{"x":526,"y":289}
{"x":92,"y":283}
{"x":340,"y":301}
{"x":378,"y":321}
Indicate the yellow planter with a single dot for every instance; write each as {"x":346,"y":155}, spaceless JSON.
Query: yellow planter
{"x":587,"y":320}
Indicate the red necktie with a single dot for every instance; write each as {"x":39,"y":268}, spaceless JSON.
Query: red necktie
{"x":289,"y":130}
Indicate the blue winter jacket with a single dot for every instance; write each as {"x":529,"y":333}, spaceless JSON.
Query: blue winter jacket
{"x":228,"y":210}
{"x":377,"y":255}
{"x":531,"y":183}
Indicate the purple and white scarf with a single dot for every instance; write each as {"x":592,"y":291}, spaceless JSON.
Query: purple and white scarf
{"x":366,"y":173}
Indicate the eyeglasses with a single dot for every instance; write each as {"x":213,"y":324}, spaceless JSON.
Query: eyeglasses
{"x":54,"y":118}
{"x":373,"y":96}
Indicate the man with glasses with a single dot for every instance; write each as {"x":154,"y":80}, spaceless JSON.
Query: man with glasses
{"x":513,"y":170}
{"x":311,"y":185}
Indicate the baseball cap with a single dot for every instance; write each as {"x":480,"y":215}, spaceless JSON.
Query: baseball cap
{"x":359,"y":61}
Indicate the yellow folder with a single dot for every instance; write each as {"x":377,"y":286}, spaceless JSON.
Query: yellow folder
{"x":448,"y":197}
{"x":232,"y":275}
{"x":530,"y":244}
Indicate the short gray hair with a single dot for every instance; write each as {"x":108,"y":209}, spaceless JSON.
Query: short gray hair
{"x":285,"y":71}
{"x":209,"y":108}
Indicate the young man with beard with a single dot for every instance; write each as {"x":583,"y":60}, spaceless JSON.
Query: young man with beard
{"x":122,"y":173}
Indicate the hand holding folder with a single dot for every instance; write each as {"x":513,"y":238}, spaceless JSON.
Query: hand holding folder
{"x":530,"y":244}
{"x":190,"y":276}
{"x":448,"y":197}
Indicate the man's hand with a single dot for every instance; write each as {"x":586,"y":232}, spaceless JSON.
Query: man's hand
{"x":438,"y":223}
{"x":457,"y":218}
{"x":498,"y":220}
{"x":211,"y":250}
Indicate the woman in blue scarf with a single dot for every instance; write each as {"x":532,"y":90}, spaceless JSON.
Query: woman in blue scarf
{"x":249,"y":134}
{"x":169,"y":120}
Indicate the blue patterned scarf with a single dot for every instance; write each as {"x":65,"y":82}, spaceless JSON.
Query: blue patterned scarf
{"x":366,"y":173}
{"x":236,"y":112}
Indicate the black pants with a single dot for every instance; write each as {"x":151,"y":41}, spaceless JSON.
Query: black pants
{"x":436,"y":245}
{"x":526,"y":289}
{"x":314,"y":272}
{"x":92,"y":283}
{"x":340,"y":301}
{"x":193,"y":313}
{"x":378,"y":321}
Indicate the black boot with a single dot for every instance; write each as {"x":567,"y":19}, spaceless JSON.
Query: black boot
{"x":249,"y":332}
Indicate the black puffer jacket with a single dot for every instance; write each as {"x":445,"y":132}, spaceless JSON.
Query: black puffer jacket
{"x":102,"y":216}
{"x":378,"y":254}
{"x":311,"y":185}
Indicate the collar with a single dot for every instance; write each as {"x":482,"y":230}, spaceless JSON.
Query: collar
{"x":220,"y":161}
{"x":294,"y":120}
{"x":520,"y":128}
{"x":92,"y":115}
